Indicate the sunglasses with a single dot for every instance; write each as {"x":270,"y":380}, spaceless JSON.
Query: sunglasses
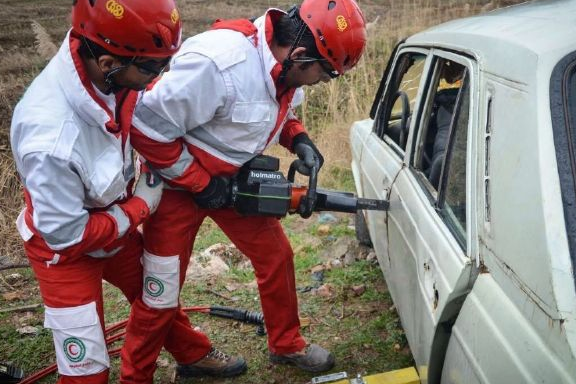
{"x":150,"y":67}
{"x":324,"y":64}
{"x":328,"y":69}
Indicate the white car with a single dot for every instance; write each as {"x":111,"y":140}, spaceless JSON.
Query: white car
{"x":472,"y":140}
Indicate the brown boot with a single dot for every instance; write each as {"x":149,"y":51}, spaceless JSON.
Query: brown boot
{"x":215,"y":363}
{"x":313,"y":358}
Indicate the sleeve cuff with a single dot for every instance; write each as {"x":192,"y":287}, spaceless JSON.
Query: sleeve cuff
{"x":136,"y":210}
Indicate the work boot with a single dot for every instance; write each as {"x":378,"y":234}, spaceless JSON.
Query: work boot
{"x":313,"y":358}
{"x":215,"y":363}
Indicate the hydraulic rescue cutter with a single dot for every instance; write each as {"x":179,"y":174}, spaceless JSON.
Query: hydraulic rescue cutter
{"x":259,"y":189}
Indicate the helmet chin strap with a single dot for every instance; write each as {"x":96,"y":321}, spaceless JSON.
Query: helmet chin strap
{"x":111,"y":85}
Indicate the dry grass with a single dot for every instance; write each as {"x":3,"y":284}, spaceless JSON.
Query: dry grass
{"x":11,"y":202}
{"x":44,"y":45}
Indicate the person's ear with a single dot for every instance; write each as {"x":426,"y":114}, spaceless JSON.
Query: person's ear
{"x":108,"y":63}
{"x":297,"y":53}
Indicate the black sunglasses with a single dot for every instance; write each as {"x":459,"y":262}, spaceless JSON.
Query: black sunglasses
{"x":150,"y":67}
{"x":326,"y":67}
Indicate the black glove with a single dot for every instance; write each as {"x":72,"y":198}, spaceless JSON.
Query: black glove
{"x":217,"y":193}
{"x":308,"y":153}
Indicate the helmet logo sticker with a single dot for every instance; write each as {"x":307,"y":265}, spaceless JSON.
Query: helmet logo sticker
{"x":115,"y":9}
{"x":174,"y":16}
{"x":341,"y":23}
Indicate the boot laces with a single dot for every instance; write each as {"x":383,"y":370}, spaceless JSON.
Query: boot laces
{"x":218,"y":355}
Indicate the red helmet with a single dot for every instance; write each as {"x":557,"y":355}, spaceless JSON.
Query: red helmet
{"x":339,"y":29}
{"x":130,"y":27}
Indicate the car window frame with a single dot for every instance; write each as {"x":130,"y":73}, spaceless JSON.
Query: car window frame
{"x":384,"y":80}
{"x":385,"y":95}
{"x":464,"y":239}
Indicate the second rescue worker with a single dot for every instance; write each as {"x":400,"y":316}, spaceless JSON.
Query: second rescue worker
{"x":229,"y":95}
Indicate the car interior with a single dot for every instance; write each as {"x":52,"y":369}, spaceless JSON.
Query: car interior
{"x":441,"y":119}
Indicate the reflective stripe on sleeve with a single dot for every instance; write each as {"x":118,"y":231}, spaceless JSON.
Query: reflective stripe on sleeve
{"x":122,"y":220}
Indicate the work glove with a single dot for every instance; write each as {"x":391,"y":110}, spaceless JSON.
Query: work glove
{"x":307,"y":152}
{"x":217,"y":193}
{"x":149,"y":188}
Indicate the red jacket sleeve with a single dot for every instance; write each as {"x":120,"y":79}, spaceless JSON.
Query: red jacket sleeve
{"x":292,"y":128}
{"x":172,"y":161}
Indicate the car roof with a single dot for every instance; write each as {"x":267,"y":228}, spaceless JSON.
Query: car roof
{"x":510,"y":41}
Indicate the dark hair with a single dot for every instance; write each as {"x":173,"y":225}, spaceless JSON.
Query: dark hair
{"x":90,"y":50}
{"x":286,"y":30}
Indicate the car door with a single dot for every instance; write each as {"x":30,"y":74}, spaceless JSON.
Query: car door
{"x":431,"y":199}
{"x":384,"y":148}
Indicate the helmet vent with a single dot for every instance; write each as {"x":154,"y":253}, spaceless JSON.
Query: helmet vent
{"x":108,"y":41}
{"x":129,"y":48}
{"x":330,"y":53}
{"x":92,"y":2}
{"x":165,"y":39}
{"x":347,"y":60}
{"x":331,"y":5}
{"x":157,"y":41}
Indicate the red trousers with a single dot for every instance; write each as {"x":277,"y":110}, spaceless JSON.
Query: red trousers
{"x":76,"y":281}
{"x":171,"y":231}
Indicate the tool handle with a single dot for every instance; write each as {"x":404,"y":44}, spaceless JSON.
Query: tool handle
{"x":307,"y":203}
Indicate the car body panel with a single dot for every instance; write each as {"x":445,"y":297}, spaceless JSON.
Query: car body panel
{"x":494,"y":342}
{"x":378,"y":184}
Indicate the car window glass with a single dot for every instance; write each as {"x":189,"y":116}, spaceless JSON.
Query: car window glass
{"x":393,"y":117}
{"x":438,"y":119}
{"x":453,"y":189}
{"x":454,"y":193}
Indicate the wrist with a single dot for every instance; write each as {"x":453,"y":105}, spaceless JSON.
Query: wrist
{"x":301,"y":138}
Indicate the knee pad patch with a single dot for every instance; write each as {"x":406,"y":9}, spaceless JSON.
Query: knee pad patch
{"x":78,"y":339}
{"x":161,"y":280}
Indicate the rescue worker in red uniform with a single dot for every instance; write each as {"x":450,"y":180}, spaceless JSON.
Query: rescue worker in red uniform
{"x":70,"y":140}
{"x":229,"y":95}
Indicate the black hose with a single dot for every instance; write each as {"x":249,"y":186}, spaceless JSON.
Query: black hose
{"x":237,"y":314}
{"x":240,"y":315}
{"x":10,"y":374}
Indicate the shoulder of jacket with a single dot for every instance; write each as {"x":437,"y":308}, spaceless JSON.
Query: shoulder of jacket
{"x":57,"y":138}
{"x":224,"y":47}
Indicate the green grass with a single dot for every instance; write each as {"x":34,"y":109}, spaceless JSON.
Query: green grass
{"x":209,"y":234}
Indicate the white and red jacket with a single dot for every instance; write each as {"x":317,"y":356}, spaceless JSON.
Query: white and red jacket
{"x":71,"y":147}
{"x":218,"y":106}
